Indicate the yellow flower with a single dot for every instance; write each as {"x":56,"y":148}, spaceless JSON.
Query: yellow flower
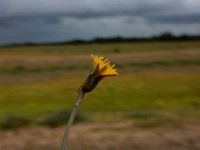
{"x":101,"y":69}
{"x":103,"y":66}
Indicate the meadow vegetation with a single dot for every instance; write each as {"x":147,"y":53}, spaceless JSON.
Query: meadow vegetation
{"x":158,"y":82}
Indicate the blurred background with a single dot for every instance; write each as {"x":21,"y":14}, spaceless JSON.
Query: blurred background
{"x":45,"y":49}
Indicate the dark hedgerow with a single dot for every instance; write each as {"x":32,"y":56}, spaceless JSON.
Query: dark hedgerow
{"x":13,"y":122}
{"x":60,"y":117}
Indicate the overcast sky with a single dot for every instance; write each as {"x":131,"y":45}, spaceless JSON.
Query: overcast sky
{"x":61,"y":20}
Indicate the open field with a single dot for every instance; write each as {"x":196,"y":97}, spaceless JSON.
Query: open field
{"x":39,"y":79}
{"x":157,"y":89}
{"x":115,"y":136}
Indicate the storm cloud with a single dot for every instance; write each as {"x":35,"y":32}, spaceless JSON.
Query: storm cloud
{"x":60,"y":20}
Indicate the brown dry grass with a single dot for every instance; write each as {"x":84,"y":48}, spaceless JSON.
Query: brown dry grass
{"x":116,"y":136}
{"x":126,"y":57}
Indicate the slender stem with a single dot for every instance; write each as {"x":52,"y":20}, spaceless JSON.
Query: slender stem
{"x":71,"y":118}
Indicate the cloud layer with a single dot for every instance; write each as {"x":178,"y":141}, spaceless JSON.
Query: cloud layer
{"x":50,"y":20}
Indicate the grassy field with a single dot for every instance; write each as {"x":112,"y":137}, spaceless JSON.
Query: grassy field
{"x":156,"y":79}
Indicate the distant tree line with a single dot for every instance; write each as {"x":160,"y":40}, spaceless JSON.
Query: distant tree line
{"x":166,"y":36}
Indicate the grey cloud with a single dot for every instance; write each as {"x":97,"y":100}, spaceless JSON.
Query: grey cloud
{"x":15,"y":21}
{"x":47,"y":10}
{"x":52,"y":20}
{"x":85,"y":8}
{"x":176,"y":19}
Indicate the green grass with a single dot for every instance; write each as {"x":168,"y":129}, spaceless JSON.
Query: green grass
{"x":133,"y":91}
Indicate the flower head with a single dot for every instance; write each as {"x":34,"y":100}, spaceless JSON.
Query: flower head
{"x":101,"y":68}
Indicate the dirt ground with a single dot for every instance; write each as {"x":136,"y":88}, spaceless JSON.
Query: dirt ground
{"x":107,"y":136}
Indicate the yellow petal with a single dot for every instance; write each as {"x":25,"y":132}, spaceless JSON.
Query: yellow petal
{"x":109,"y":72}
{"x":94,"y":60}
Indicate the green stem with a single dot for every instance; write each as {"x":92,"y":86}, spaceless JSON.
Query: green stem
{"x":71,"y":118}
